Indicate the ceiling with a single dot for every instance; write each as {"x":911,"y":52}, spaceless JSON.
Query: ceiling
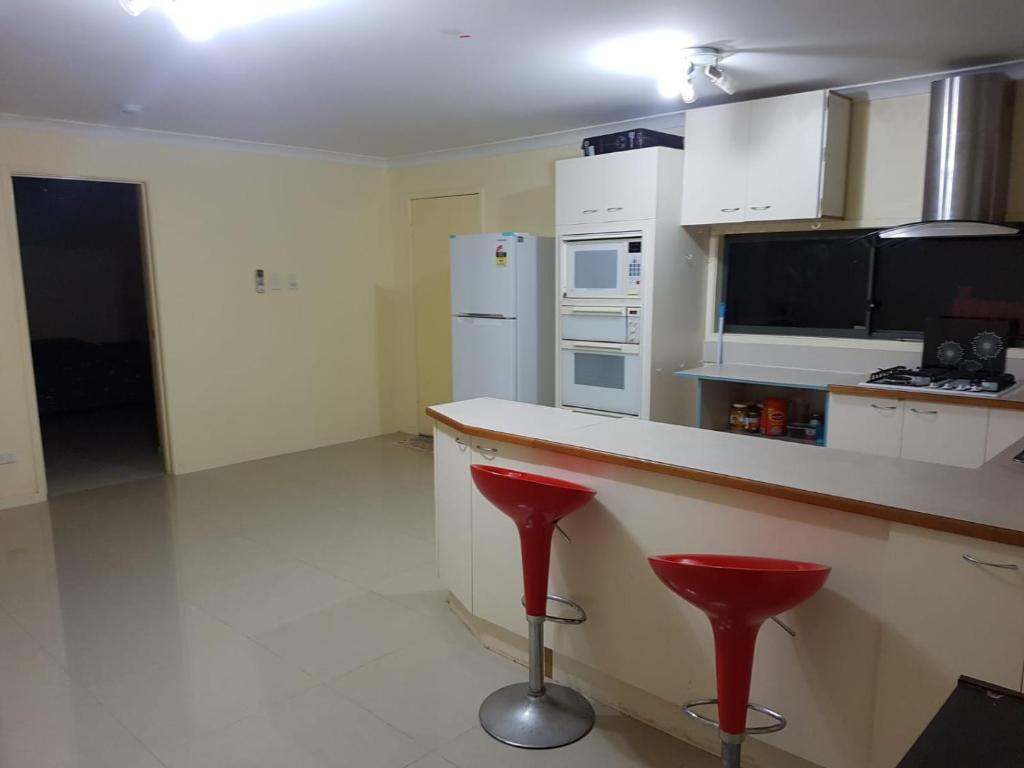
{"x":388,"y":78}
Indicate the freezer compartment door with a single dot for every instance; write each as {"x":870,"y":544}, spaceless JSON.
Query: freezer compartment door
{"x":483,"y":358}
{"x":484,"y":275}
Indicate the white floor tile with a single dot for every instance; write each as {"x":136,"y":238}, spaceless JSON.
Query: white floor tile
{"x":318,"y":729}
{"x":264,"y":599}
{"x":217,"y":678}
{"x":348,"y":635}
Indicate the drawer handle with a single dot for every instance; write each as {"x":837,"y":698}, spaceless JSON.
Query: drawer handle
{"x":925,"y":413}
{"x":1005,"y":566}
{"x":489,"y":453}
{"x":613,"y":210}
{"x":461,"y":443}
{"x":590,"y":210}
{"x":729,"y":210}
{"x":760,"y":207}
{"x":878,"y":407}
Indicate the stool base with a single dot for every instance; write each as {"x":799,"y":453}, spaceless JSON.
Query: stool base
{"x":557,"y":717}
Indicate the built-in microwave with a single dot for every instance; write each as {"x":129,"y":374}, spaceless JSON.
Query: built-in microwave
{"x":606,"y":268}
{"x":601,"y":376}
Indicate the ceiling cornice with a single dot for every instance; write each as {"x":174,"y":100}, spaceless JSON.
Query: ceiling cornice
{"x":194,"y":141}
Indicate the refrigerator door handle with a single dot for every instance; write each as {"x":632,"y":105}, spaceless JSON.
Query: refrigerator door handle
{"x":486,"y":316}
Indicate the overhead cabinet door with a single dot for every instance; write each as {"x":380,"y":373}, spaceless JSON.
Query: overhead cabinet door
{"x":579,"y":196}
{"x":630,"y":185}
{"x":785,"y":158}
{"x":715,"y":164}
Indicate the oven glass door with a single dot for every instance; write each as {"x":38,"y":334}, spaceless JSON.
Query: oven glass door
{"x":601,"y":377}
{"x":595,"y":269}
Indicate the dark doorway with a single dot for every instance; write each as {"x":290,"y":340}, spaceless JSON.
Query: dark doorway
{"x":85,"y":288}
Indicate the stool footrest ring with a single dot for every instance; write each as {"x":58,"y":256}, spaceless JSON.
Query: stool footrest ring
{"x":780,"y":720}
{"x":578,"y":619}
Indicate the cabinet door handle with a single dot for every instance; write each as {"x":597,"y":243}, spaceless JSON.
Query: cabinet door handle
{"x":878,"y":407}
{"x":461,"y":443}
{"x":760,"y":207}
{"x":1005,"y":566}
{"x":489,"y":453}
{"x":613,"y":210}
{"x":924,"y":413}
{"x":729,"y":210}
{"x":590,"y":210}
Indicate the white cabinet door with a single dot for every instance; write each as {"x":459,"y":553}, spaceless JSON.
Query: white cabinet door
{"x":944,"y":434}
{"x":785,"y":157}
{"x":1005,"y":428}
{"x":579,"y":190}
{"x":865,"y":424}
{"x":630,"y":185}
{"x":715,"y":164}
{"x":943,"y":617}
{"x":452,"y":511}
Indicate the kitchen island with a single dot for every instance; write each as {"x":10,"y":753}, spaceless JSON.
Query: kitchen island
{"x":876,"y":652}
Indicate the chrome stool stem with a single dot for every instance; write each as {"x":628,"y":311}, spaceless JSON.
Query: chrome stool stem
{"x":536,"y":663}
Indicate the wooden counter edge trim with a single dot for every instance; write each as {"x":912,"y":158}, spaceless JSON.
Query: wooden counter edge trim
{"x":841,"y":503}
{"x":932,"y":397}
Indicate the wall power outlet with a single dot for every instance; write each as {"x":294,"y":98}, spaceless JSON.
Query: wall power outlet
{"x":8,"y":458}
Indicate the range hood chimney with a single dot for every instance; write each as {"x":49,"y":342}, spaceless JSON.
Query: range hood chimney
{"x":966,"y":173}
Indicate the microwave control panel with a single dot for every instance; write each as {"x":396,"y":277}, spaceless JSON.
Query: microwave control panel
{"x":633,"y":325}
{"x":634,"y":262}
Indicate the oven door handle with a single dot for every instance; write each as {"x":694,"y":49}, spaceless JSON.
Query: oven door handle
{"x":616,"y":311}
{"x":611,"y":348}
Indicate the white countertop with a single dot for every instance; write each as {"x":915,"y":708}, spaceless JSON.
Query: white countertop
{"x":991,"y":495}
{"x":803,"y":378}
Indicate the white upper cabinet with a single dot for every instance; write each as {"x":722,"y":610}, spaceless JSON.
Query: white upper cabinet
{"x":620,"y":186}
{"x":766,"y":160}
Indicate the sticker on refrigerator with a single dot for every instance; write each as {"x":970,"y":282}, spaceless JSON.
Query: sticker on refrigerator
{"x":500,"y":257}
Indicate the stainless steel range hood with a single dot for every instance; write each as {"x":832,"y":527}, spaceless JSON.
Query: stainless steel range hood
{"x":968,"y":161}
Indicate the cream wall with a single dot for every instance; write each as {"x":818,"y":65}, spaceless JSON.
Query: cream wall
{"x":517,"y":193}
{"x":246,"y":376}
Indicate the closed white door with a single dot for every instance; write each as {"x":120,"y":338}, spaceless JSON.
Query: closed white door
{"x":483,"y":269}
{"x":483,"y":358}
{"x":785,"y":159}
{"x":453,"y":522}
{"x":630,"y":185}
{"x":944,"y":434}
{"x":715,"y":164}
{"x":865,"y":424}
{"x":579,"y":190}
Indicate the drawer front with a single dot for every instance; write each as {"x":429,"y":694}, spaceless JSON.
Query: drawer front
{"x":944,"y":434}
{"x":1005,"y":428}
{"x":864,"y":424}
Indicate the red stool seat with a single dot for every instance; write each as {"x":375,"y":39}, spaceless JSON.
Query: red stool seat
{"x":535,"y":503}
{"x":738,"y":594}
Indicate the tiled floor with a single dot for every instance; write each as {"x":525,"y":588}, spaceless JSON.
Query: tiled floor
{"x":276,"y":614}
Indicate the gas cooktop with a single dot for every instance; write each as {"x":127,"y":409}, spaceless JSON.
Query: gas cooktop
{"x":946,"y":380}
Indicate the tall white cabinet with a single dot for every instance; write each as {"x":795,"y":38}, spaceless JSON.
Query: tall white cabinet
{"x":636,"y":195}
{"x":766,"y":160}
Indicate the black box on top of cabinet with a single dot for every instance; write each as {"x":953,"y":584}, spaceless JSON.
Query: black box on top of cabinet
{"x":637,"y":138}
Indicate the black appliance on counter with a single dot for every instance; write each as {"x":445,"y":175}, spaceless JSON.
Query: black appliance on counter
{"x":960,"y":355}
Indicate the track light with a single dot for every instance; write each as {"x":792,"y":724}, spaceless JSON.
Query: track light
{"x":719,"y":79}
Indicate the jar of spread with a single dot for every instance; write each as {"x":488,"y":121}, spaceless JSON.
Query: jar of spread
{"x":752,"y":422}
{"x":737,"y":417}
{"x":775,"y":418}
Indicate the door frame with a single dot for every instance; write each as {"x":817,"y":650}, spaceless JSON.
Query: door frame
{"x":7,"y":176}
{"x":410,"y":250}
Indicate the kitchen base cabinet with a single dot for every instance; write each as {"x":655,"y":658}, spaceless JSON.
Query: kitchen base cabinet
{"x":943,"y":617}
{"x":865,"y":424}
{"x":453,"y":522}
{"x":944,"y":434}
{"x":1005,"y":427}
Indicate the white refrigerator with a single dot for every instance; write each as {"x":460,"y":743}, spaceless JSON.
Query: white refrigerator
{"x":503,"y":317}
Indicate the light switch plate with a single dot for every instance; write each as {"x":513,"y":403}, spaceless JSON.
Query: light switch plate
{"x":8,"y":458}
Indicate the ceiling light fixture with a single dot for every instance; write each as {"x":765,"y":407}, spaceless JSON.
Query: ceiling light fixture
{"x":203,"y":19}
{"x":676,"y":79}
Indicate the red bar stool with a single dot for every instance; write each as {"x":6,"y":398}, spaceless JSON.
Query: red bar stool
{"x":738,"y":594}
{"x":534,"y":715}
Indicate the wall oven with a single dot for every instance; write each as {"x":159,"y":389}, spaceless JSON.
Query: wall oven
{"x":605,"y":268}
{"x":601,"y":376}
